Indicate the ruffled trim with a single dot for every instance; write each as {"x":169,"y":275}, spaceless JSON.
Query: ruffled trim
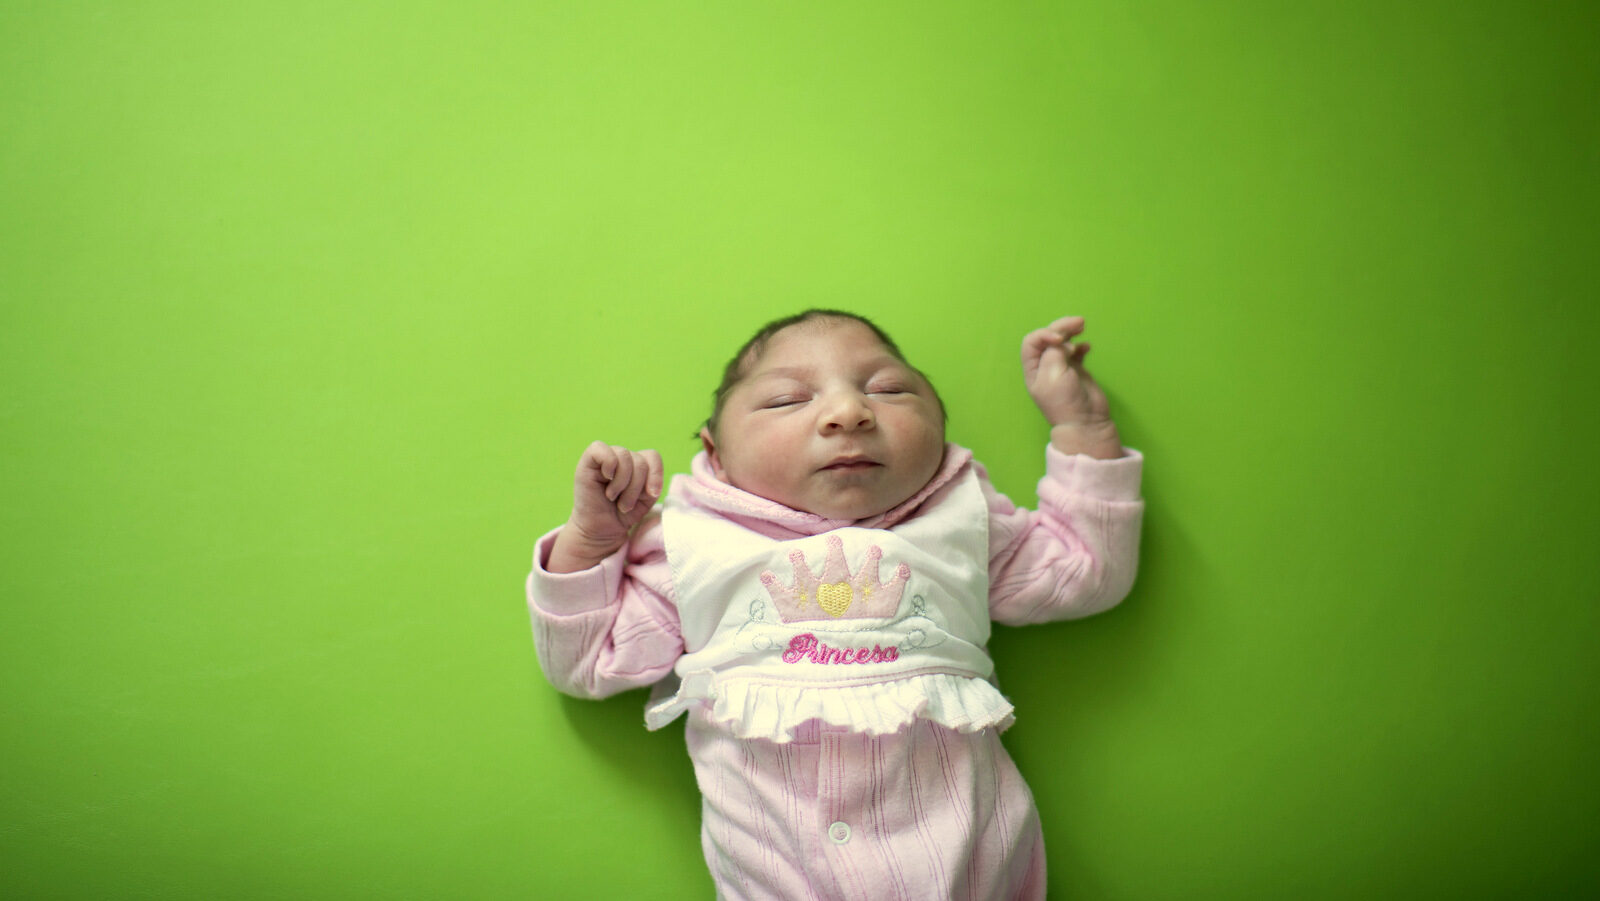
{"x":754,"y":708}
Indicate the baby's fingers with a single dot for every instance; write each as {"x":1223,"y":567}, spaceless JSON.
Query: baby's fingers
{"x":1034,"y":346}
{"x":656,"y":471}
{"x":601,"y":466}
{"x":597,"y":464}
{"x":1066,"y":326}
{"x":1055,"y":335}
{"x":618,"y":473}
{"x":644,"y":480}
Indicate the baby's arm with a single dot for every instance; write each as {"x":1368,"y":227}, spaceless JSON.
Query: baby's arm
{"x":1052,"y":369}
{"x":1077,"y":554}
{"x":609,"y":628}
{"x":603,"y":617}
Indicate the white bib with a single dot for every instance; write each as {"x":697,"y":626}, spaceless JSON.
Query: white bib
{"x":864,"y":628}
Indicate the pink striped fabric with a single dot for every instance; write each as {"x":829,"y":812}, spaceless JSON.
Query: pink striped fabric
{"x":924,"y":814}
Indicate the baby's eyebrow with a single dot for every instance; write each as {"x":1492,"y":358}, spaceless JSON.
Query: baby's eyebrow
{"x":802,"y":372}
{"x":784,"y":372}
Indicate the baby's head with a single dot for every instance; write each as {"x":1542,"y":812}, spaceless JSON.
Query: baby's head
{"x":821,"y":412}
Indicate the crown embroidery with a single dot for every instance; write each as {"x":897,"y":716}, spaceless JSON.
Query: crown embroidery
{"x":837,"y":592}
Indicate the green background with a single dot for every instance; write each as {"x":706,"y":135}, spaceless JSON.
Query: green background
{"x":309,"y":309}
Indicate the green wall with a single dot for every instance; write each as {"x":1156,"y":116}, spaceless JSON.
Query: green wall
{"x":307,"y":310}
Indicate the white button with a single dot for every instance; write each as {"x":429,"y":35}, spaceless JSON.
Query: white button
{"x":839,"y":832}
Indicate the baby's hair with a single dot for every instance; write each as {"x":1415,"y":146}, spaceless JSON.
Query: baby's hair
{"x":753,"y":349}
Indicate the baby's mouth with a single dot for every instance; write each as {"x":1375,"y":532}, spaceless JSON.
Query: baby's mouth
{"x":851,"y":464}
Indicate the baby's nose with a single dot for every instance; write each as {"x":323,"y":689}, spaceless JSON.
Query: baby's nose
{"x":846,"y":413}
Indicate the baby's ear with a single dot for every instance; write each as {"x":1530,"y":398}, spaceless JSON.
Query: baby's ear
{"x":710,"y":446}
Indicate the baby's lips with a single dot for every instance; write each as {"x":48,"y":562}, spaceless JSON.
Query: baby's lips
{"x":852,"y":462}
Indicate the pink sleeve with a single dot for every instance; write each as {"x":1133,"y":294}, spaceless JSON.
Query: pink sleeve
{"x":1077,"y":554}
{"x":605,"y":630}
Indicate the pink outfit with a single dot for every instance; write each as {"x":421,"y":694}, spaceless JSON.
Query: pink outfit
{"x":896,"y":791}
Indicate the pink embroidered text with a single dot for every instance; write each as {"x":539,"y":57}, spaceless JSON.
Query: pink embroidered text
{"x":807,"y":648}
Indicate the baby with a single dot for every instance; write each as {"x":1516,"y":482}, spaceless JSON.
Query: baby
{"x":817,"y":596}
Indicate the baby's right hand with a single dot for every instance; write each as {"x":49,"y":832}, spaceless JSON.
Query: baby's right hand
{"x":612,"y":490}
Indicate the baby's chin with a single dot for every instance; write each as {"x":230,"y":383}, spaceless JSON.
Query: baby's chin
{"x":862,"y":501}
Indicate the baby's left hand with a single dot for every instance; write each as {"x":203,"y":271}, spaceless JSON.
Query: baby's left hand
{"x":1053,"y":370}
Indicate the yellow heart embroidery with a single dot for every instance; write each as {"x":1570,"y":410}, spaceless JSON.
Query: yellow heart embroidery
{"x":834,"y":598}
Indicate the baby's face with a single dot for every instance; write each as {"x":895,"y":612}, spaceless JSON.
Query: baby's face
{"x":829,"y":422}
